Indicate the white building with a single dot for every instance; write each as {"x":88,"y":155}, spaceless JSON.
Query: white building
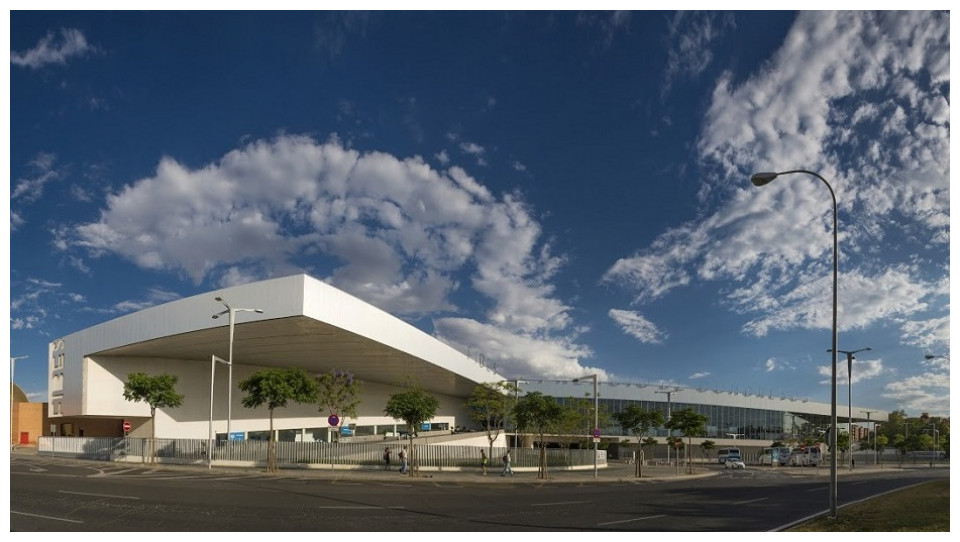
{"x":305,"y":323}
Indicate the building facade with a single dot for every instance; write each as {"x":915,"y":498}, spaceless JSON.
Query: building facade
{"x":303,"y":323}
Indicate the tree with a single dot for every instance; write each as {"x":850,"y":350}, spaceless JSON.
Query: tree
{"x":338,"y":393}
{"x":158,"y":392}
{"x":843,"y":445}
{"x":414,"y":406}
{"x":489,"y":404}
{"x":274,"y":388}
{"x":539,"y":414}
{"x":708,"y":445}
{"x":638,"y":421}
{"x":690,"y":424}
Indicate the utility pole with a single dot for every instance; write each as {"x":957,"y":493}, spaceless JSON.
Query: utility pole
{"x":669,"y":393}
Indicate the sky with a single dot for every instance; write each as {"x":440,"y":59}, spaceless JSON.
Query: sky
{"x":554,"y":193}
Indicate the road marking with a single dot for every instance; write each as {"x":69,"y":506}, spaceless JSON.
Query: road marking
{"x":634,"y":519}
{"x":816,"y":489}
{"x":559,"y":503}
{"x":748,"y":502}
{"x":358,"y":507}
{"x":45,"y":517}
{"x":100,"y":495}
{"x":37,"y":469}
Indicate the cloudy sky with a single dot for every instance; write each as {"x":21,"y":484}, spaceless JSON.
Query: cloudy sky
{"x":553,"y":193}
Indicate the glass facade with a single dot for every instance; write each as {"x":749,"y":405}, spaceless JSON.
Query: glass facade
{"x":722,"y":421}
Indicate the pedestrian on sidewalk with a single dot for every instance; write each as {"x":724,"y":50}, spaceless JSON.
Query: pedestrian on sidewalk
{"x":483,"y":461}
{"x":386,"y":458}
{"x":506,"y":465}
{"x":403,"y":460}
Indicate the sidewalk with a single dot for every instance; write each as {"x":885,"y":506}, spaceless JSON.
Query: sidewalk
{"x":615,"y":472}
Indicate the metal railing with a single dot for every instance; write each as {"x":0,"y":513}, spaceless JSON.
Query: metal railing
{"x":307,"y":454}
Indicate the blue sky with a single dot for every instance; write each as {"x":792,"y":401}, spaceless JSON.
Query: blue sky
{"x":555,"y":193}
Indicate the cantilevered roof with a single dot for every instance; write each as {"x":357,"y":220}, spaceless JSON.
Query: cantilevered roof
{"x":305,"y":323}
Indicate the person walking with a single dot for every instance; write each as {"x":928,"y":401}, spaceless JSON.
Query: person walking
{"x":506,"y":465}
{"x":386,"y":458}
{"x":403,"y":460}
{"x":483,"y":461}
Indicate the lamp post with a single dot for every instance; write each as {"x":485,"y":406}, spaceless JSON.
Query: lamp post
{"x":850,"y":359}
{"x":936,"y":437}
{"x":213,"y":366}
{"x":760,"y":179}
{"x":232,"y":312}
{"x":13,"y":363}
{"x":596,"y":416}
{"x":876,"y":458}
{"x":669,"y":413}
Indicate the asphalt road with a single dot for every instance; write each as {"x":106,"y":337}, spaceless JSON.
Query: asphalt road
{"x":49,"y":494}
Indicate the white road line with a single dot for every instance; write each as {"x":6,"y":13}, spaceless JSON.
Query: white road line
{"x":559,"y":503}
{"x":100,"y":495}
{"x":359,"y":507}
{"x":816,"y":489}
{"x":634,"y":519}
{"x":45,"y":517}
{"x":748,"y":502}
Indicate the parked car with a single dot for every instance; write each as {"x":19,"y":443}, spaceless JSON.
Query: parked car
{"x":734,"y":462}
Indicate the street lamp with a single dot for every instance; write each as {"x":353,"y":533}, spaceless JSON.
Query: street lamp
{"x":596,"y":417}
{"x":669,"y":413}
{"x":876,"y":458}
{"x":760,"y":179}
{"x":213,"y":366}
{"x":232,"y":317}
{"x":850,"y":359}
{"x":13,"y":363}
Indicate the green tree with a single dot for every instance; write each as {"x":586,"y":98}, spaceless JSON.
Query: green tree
{"x":414,"y":406}
{"x":275,"y":388}
{"x":649,"y":441}
{"x":638,"y":421}
{"x":539,"y":414}
{"x":708,"y":445}
{"x":690,"y":424}
{"x":489,"y":405}
{"x":843,"y":445}
{"x":157,"y":391}
{"x":338,"y":392}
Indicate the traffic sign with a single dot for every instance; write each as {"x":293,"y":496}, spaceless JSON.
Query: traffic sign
{"x":333,"y":420}
{"x":596,"y":432}
{"x":126,"y":426}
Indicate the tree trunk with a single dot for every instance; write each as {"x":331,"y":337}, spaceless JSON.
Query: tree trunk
{"x":153,"y":435}
{"x":271,"y":450}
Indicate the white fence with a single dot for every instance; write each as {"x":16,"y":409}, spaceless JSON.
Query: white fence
{"x":307,"y":454}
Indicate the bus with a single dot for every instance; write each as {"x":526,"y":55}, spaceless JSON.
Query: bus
{"x":723,"y":453}
{"x":784,"y":456}
{"x":806,"y":456}
{"x":774,"y":455}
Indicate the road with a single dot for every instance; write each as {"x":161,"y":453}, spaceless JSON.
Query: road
{"x":74,"y":496}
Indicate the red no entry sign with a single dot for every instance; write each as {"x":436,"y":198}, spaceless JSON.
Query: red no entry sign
{"x":126,"y":426}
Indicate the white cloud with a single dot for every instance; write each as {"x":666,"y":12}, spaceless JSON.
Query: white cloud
{"x":633,"y":323}
{"x":927,"y":392}
{"x":691,"y":37}
{"x":862,"y":370}
{"x":771,"y":247}
{"x":519,"y":354}
{"x":31,"y":189}
{"x":50,"y":50}
{"x":155,"y":296}
{"x":394,"y":232}
{"x":696,"y":376}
